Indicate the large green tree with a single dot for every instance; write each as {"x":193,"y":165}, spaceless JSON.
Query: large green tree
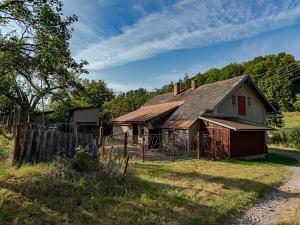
{"x":35,"y":60}
{"x":88,"y":94}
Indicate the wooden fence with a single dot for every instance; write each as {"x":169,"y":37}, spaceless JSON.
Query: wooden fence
{"x":36,"y":143}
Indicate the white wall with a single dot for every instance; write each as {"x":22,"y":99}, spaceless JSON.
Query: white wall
{"x":255,"y":112}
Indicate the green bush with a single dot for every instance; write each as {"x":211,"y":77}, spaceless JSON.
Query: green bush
{"x":294,"y":137}
{"x":83,"y":161}
{"x":279,"y":137}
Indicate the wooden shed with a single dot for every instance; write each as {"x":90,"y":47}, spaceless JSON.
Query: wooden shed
{"x":232,"y":138}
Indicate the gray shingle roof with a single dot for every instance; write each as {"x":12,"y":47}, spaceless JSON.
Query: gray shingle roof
{"x":200,"y":100}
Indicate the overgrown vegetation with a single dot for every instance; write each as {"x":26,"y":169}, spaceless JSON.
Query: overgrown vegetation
{"x":287,"y":137}
{"x":182,"y":192}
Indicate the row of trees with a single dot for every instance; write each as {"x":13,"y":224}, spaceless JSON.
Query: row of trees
{"x":38,"y":71}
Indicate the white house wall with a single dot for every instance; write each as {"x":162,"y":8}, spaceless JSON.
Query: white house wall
{"x":255,"y":112}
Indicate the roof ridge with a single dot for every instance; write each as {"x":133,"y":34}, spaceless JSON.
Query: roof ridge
{"x":226,"y":80}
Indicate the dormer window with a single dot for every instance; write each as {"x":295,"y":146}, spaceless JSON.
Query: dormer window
{"x":233,"y":100}
{"x":249,"y":101}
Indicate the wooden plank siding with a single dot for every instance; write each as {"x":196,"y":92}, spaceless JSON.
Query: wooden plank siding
{"x":247,"y":143}
{"x":227,"y":143}
{"x":219,"y":137}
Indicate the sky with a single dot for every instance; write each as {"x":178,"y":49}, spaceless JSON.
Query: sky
{"x":148,"y":43}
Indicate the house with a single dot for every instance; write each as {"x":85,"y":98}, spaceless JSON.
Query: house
{"x":229,"y":115}
{"x":85,"y":119}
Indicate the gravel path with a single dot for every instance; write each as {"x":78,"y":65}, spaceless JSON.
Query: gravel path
{"x":268,"y":209}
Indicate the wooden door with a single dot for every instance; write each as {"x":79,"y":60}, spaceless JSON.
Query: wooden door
{"x":135,"y":133}
{"x":242,"y":105}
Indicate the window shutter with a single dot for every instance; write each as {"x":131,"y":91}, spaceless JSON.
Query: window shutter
{"x":241,"y":105}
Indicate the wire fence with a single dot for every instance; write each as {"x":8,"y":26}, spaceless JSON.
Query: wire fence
{"x":152,"y":146}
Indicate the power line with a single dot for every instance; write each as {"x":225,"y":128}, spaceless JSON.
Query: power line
{"x":278,"y":69}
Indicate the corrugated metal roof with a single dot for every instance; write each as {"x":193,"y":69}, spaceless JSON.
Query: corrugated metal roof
{"x":178,"y":123}
{"x":237,"y":124}
{"x":148,"y":113}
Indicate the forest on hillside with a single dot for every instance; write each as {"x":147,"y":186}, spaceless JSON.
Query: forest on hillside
{"x":278,"y":76}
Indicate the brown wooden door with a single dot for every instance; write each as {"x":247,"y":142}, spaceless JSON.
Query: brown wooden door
{"x":242,"y":105}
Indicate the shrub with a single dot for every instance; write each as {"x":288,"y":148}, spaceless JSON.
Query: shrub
{"x":83,"y":160}
{"x":62,"y":168}
{"x":279,"y":137}
{"x":294,"y":137}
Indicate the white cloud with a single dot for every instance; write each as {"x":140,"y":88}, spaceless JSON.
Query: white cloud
{"x":123,"y":87}
{"x":190,"y":23}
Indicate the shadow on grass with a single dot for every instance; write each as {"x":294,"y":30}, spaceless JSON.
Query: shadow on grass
{"x":141,"y":201}
{"x":271,"y":159}
{"x":147,"y":203}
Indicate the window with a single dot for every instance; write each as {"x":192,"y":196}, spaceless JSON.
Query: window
{"x":210,"y":124}
{"x":249,"y":100}
{"x":242,"y":105}
{"x":233,"y":100}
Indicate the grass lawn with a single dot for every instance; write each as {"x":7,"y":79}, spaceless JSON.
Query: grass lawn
{"x":291,"y":119}
{"x":182,"y":192}
{"x":291,"y":216}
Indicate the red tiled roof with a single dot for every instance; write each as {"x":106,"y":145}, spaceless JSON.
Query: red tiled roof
{"x":148,"y":113}
{"x":178,"y":123}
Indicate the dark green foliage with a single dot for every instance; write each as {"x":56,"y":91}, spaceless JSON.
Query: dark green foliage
{"x":35,"y":60}
{"x":297,"y":102}
{"x":275,"y":120}
{"x":279,"y":137}
{"x":289,"y":137}
{"x":294,"y":137}
{"x":83,"y":161}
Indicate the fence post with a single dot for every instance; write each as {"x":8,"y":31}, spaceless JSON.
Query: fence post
{"x":100,"y":139}
{"x":103,"y":146}
{"x":174,"y":148}
{"x":17,"y":147}
{"x":198,"y":144}
{"x":143,"y":147}
{"x":126,"y":165}
{"x":125,"y":144}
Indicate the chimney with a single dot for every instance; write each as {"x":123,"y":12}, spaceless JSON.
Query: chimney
{"x":176,"y":89}
{"x":193,"y":84}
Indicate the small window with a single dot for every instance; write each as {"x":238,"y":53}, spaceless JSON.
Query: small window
{"x":210,"y":124}
{"x":249,"y":100}
{"x":233,"y":100}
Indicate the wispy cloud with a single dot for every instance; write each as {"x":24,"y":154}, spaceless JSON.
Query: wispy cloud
{"x":189,"y":23}
{"x":123,"y":87}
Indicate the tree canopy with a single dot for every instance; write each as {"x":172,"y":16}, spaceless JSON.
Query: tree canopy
{"x":35,"y":60}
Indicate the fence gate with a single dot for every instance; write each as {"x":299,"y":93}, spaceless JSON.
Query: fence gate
{"x":211,"y":142}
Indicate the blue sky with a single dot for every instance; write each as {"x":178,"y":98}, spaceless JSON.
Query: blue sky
{"x":148,"y":43}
